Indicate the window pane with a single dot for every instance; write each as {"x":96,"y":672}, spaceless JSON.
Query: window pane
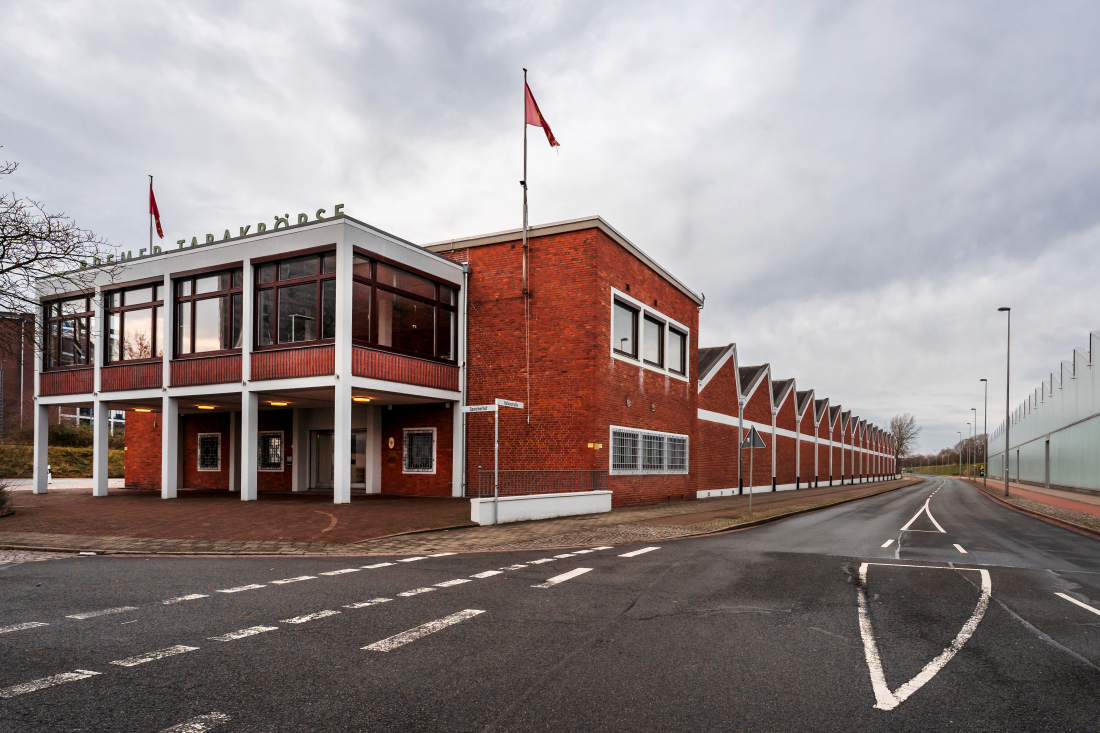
{"x":446,"y":334}
{"x":113,"y":300}
{"x":298,"y":267}
{"x":68,"y":343}
{"x":328,"y":262}
{"x":238,"y":314}
{"x":677,"y":351}
{"x":406,"y":324}
{"x":238,"y":278}
{"x":266,"y":274}
{"x":52,"y":341}
{"x":623,"y":330}
{"x":211,"y":317}
{"x":360,"y":266}
{"x":654,"y":341}
{"x":75,"y":305}
{"x":677,"y":454}
{"x":328,"y":309}
{"x":114,"y":337}
{"x":405,"y":281}
{"x":265,"y":317}
{"x":447,"y":295}
{"x":212,"y":283}
{"x":298,"y":313}
{"x":653,"y":452}
{"x":136,"y":297}
{"x":183,"y":288}
{"x":183,"y":328}
{"x":137,"y":334}
{"x":158,"y":341}
{"x":89,"y":356}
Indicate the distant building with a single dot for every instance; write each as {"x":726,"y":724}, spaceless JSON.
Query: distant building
{"x":16,"y":372}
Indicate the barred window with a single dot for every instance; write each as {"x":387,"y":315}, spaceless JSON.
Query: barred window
{"x":210,"y":452}
{"x":270,"y":451}
{"x":419,"y":450}
{"x":647,"y":451}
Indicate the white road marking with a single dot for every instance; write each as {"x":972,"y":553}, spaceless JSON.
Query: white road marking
{"x":128,"y":622}
{"x":442,"y":554}
{"x":20,"y":627}
{"x":884,"y":698}
{"x":371,"y":602}
{"x":412,"y":559}
{"x":562,"y":578}
{"x":642,"y":551}
{"x":379,"y":565}
{"x":391,"y":643}
{"x":514,"y":567}
{"x":199,"y":724}
{"x":887,"y":543}
{"x":192,"y":597}
{"x":449,"y":583}
{"x":583,"y":552}
{"x":486,"y":574}
{"x":603,"y":548}
{"x":959,"y":548}
{"x":559,"y":557}
{"x":57,"y":679}
{"x":309,"y":617}
{"x":294,"y":580}
{"x":1082,"y":605}
{"x":250,"y":631}
{"x":540,"y":562}
{"x":416,"y":592}
{"x":153,"y":656}
{"x":924,"y":510}
{"x":341,"y":572}
{"x":104,"y":612}
{"x":239,"y":588}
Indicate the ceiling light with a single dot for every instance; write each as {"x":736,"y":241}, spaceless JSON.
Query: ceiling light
{"x":206,"y":407}
{"x":142,"y":409}
{"x":278,"y":404}
{"x":360,"y":399}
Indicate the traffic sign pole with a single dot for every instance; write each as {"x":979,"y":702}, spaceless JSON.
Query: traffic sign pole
{"x":494,"y":408}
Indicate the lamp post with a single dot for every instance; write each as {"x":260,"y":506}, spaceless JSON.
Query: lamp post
{"x":1008,"y":373}
{"x":959,"y":450}
{"x":985,"y":435}
{"x":973,"y":448}
{"x":968,"y":426}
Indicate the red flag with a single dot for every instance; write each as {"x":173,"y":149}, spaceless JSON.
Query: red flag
{"x":534,"y":117}
{"x":154,"y":211}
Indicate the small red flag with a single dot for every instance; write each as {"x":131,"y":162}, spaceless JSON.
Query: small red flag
{"x":154,"y":211}
{"x":534,"y":117}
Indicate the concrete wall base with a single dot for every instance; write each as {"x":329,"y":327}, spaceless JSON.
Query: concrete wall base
{"x":539,"y":506}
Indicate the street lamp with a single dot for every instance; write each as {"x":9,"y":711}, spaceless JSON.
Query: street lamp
{"x":973,"y":452}
{"x":968,"y":450}
{"x":1008,"y":372}
{"x":985,"y":436}
{"x":959,"y":450}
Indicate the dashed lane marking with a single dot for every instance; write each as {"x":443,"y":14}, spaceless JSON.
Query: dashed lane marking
{"x":371,"y":602}
{"x":1085,"y":606}
{"x":240,"y":588}
{"x":887,"y":543}
{"x":294,"y":580}
{"x":642,"y":551}
{"x":250,"y":631}
{"x":341,"y":572}
{"x":562,"y":578}
{"x":583,"y":552}
{"x":411,"y":559}
{"x":393,"y":642}
{"x":104,"y":612}
{"x":415,"y":592}
{"x":57,"y":679}
{"x":559,"y":557}
{"x":514,"y":567}
{"x":960,"y":549}
{"x":199,"y":724}
{"x":309,"y":617}
{"x":153,"y":656}
{"x":603,"y":548}
{"x":20,"y":627}
{"x":541,"y":561}
{"x":377,"y":565}
{"x":486,"y":574}
{"x":192,"y":597}
{"x":443,"y":554}
{"x":449,"y":583}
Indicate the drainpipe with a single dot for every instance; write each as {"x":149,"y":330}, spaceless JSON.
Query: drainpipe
{"x":740,"y":437}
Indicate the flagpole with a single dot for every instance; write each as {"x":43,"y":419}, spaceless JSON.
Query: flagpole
{"x":526,"y":290}
{"x":150,"y":215}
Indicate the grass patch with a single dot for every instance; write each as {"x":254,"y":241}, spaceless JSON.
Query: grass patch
{"x":16,"y":461}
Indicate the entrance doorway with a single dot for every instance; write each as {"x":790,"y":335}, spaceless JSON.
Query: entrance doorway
{"x":323,"y":448}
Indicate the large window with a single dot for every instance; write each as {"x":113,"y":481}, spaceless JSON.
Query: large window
{"x":135,"y":323}
{"x":646,"y":451}
{"x":401,"y":311}
{"x":624,"y":336}
{"x":642,"y":334}
{"x":69,"y":341}
{"x":296,"y":300}
{"x":209,"y":308}
{"x":677,"y":351}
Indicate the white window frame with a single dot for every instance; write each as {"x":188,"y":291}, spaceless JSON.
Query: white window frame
{"x":644,"y":310}
{"x":198,"y":452}
{"x":404,"y":442}
{"x":640,"y":436}
{"x":282,"y":452}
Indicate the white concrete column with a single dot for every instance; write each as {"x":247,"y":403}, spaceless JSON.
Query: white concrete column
{"x":41,"y":456}
{"x":250,"y":444}
{"x":458,"y":452}
{"x":297,"y":449}
{"x":341,"y":492}
{"x":100,"y":445}
{"x":817,"y":430}
{"x":234,"y":459}
{"x":169,"y":447}
{"x":374,"y":449}
{"x":774,"y":413}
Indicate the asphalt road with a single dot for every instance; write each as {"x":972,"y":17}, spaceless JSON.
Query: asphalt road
{"x":764,"y":629}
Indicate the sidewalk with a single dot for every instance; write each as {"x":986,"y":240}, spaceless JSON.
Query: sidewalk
{"x":217,"y":523}
{"x":1080,"y":510}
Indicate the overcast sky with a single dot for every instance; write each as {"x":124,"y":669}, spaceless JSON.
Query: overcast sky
{"x":855,"y":186}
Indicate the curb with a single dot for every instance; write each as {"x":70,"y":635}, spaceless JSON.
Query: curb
{"x":1079,"y":528}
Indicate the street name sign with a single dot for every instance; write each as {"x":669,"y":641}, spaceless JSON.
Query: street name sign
{"x":509,"y":403}
{"x":479,"y":408}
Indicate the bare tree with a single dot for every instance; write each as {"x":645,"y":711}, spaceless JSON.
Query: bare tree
{"x":35,"y":244}
{"x":905,"y":430}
